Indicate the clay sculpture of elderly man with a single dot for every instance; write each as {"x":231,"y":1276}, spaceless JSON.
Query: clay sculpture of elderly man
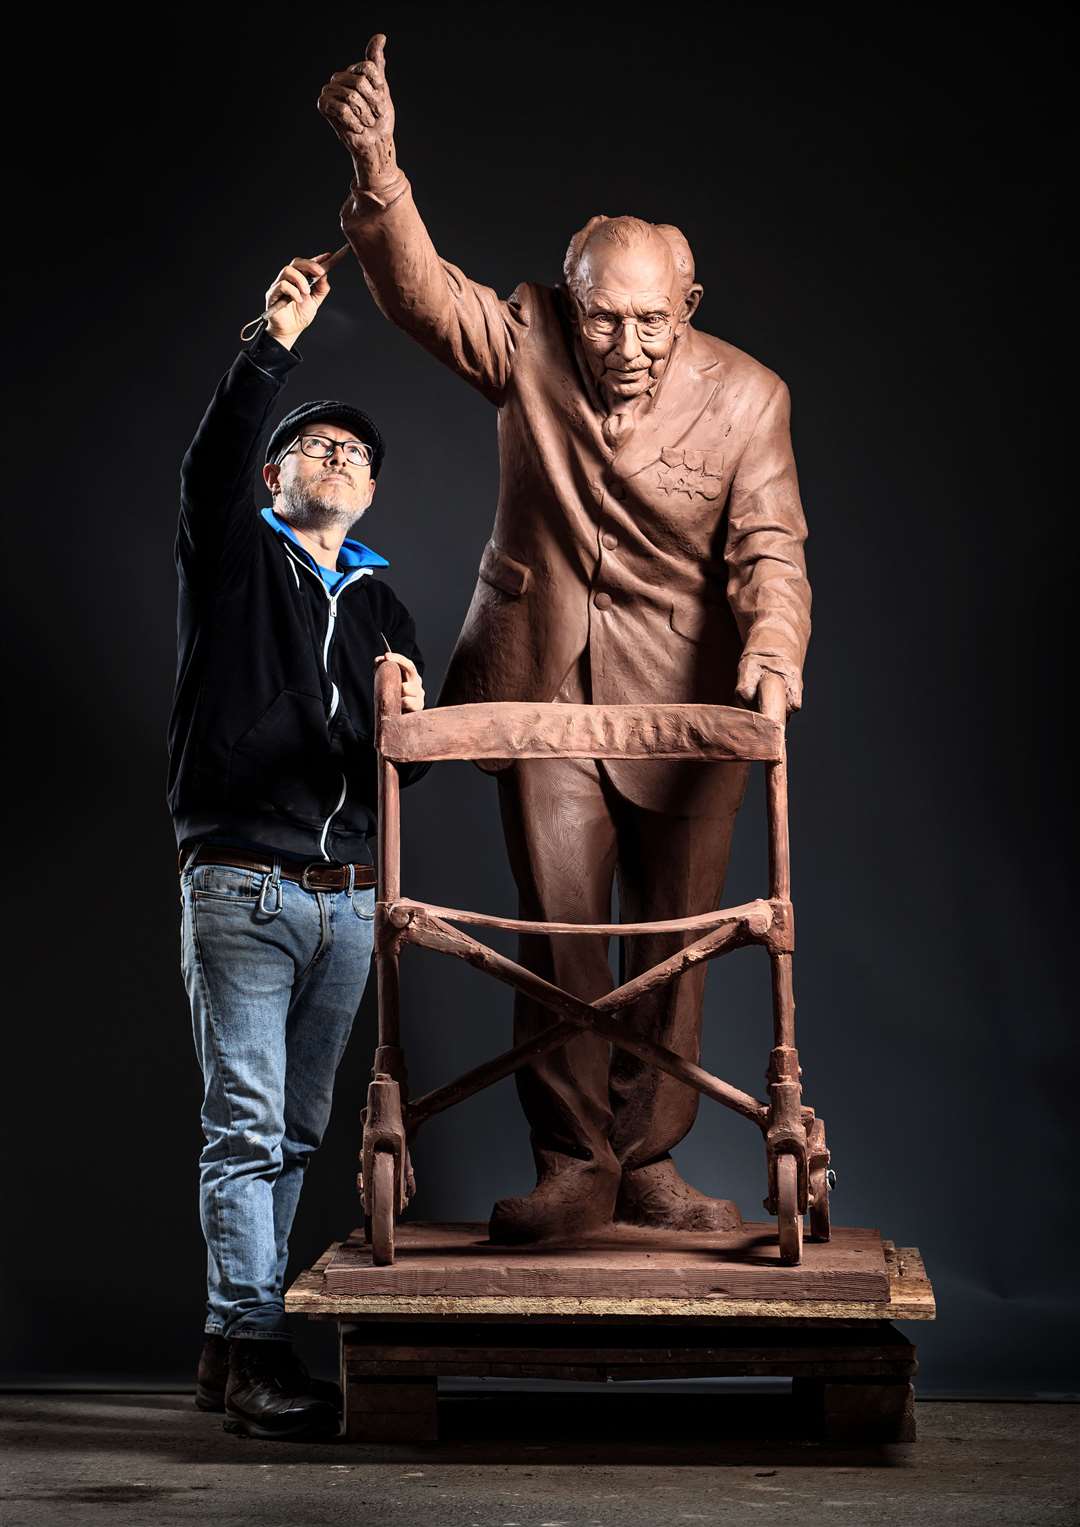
{"x":647,"y":547}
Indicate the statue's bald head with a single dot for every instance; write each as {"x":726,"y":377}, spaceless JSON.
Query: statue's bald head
{"x":606,"y":237}
{"x":633,"y":292}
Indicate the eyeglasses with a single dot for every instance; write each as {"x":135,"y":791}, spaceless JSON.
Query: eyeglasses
{"x":606,"y":325}
{"x":357,"y":453}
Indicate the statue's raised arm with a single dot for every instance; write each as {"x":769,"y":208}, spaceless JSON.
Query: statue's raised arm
{"x":466,"y":325}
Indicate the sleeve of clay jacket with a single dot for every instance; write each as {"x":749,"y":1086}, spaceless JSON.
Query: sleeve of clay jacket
{"x":465,"y":325}
{"x":767,"y":585}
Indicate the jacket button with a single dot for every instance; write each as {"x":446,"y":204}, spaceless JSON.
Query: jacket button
{"x":608,"y":541}
{"x":602,"y":601}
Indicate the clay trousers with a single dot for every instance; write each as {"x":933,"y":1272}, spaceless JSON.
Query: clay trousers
{"x":571,"y":838}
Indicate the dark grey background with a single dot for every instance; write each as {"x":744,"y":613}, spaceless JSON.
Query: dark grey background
{"x":870,"y":204}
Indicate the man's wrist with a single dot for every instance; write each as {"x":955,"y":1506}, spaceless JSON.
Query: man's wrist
{"x":270,"y":354}
{"x":286,"y":341}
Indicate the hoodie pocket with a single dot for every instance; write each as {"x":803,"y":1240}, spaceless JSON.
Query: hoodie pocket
{"x":282,"y":762}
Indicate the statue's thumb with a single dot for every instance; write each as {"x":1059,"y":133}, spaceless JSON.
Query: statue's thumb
{"x":376,"y":50}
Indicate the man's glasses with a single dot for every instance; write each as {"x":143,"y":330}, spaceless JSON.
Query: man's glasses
{"x":321,"y":447}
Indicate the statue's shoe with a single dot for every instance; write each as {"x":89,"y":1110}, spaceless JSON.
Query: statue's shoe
{"x":563,"y":1206}
{"x":656,"y":1195}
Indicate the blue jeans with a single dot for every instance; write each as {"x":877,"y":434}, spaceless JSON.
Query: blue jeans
{"x":275,"y":975}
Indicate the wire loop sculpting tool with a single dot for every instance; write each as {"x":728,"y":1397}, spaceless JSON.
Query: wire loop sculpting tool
{"x":250,"y":330}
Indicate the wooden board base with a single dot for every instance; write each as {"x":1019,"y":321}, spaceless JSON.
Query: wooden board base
{"x":850,"y":1369}
{"x":620,"y":1263}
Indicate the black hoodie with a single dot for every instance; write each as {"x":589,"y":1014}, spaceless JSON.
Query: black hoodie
{"x":270,"y":737}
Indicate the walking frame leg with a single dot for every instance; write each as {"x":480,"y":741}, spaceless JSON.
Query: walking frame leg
{"x":385,"y":1191}
{"x":785,"y":1135}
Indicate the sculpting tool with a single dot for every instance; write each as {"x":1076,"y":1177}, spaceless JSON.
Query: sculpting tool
{"x":251,"y":329}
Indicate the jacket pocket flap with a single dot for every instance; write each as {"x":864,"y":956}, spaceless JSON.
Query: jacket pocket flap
{"x":503,"y":573}
{"x":696,"y":618}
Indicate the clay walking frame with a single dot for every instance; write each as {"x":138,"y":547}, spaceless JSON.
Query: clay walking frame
{"x":796,"y":1152}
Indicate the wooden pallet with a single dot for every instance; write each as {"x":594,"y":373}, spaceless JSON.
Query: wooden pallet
{"x":851,"y":1369}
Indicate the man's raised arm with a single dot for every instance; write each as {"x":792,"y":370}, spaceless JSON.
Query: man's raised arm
{"x":466,"y":326}
{"x":217,"y":510}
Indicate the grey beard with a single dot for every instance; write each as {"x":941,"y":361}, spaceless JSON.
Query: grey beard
{"x":303,"y":509}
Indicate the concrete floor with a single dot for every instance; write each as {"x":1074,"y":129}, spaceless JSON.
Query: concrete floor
{"x":537,"y":1460}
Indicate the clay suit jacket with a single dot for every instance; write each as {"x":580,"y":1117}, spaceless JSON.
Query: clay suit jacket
{"x":666,"y":559}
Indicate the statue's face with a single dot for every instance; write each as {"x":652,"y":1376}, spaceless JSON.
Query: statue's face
{"x":631,"y":307}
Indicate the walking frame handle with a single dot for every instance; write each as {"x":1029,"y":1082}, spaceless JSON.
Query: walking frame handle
{"x":387,"y":709}
{"x":772,"y":697}
{"x":387,"y":692}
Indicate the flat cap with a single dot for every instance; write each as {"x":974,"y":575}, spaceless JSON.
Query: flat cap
{"x":327,"y":411}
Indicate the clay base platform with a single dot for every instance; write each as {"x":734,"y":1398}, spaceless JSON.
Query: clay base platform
{"x":622,"y":1306}
{"x":618,"y":1264}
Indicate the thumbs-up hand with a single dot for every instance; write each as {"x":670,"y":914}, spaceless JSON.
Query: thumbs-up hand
{"x":356,"y":102}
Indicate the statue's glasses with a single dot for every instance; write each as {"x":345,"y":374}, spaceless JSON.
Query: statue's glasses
{"x":608,"y":325}
{"x":357,"y":453}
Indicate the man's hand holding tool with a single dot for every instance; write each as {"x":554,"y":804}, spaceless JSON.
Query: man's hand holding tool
{"x":294,"y":297}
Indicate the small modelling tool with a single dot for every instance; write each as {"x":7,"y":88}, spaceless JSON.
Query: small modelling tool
{"x":250,"y":330}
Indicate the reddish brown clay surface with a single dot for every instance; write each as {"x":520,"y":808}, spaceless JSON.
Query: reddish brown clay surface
{"x":648,"y":547}
{"x":621,"y":1261}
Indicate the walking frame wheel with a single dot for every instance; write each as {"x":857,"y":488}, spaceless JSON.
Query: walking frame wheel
{"x":383,"y":1155}
{"x":821,"y":1180}
{"x":788,"y":1219}
{"x":382,"y":1210}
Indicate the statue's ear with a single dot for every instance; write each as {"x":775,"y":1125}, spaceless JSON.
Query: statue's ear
{"x":570,"y":303}
{"x":691,"y":303}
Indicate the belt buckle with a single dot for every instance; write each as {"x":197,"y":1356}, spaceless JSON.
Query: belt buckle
{"x":305,"y":883}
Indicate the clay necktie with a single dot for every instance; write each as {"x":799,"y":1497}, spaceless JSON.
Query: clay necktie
{"x":616,"y":428}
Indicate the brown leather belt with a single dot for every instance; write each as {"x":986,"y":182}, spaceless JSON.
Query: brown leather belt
{"x":314,"y":876}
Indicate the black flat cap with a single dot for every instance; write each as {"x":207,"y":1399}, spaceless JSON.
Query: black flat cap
{"x":327,"y":411}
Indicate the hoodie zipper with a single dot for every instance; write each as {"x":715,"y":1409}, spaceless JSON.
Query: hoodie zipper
{"x":335,"y":696}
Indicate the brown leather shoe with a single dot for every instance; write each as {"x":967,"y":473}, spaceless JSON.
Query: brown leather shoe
{"x":656,"y":1195}
{"x":571,"y":1199}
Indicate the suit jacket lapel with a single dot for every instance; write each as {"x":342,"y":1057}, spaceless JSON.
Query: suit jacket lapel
{"x":689,"y":384}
